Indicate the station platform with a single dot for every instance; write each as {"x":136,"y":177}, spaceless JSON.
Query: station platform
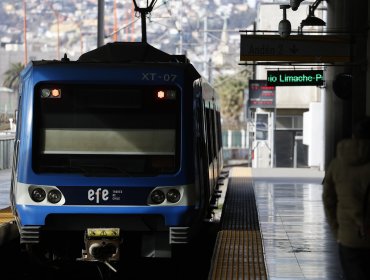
{"x":272,"y":226}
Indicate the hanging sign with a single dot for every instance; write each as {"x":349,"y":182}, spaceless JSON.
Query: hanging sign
{"x":295,"y":78}
{"x":299,"y":48}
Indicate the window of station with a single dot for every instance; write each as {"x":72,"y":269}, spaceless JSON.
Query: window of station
{"x":289,"y":122}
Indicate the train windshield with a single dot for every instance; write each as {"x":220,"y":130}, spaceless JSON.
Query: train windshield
{"x":106,"y":130}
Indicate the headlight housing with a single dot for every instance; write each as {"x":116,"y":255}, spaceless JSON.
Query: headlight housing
{"x":157,"y":196}
{"x":54,"y":196}
{"x":167,"y":196}
{"x":44,"y":195}
{"x":38,"y":194}
{"x":173,"y":195}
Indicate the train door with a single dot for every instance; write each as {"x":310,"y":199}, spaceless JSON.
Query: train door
{"x":201,"y":152}
{"x":218,"y":141}
{"x":210,"y":144}
{"x":285,"y":152}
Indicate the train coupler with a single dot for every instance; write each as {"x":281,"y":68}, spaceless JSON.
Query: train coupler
{"x":102,"y":245}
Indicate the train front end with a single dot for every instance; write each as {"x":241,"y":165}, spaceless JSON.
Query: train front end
{"x":103,"y":157}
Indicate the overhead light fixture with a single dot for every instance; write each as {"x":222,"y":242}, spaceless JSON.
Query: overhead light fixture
{"x":295,"y":4}
{"x":284,"y":25}
{"x":311,"y":19}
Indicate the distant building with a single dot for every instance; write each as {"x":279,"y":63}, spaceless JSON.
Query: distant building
{"x":8,"y":105}
{"x":8,"y":100}
{"x":295,"y":123}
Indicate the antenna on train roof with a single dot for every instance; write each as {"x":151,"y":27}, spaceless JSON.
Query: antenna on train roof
{"x":143,"y":12}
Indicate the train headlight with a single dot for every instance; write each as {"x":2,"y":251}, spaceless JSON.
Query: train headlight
{"x":54,"y":196}
{"x":157,"y":196}
{"x":173,"y":195}
{"x":38,"y":194}
{"x":45,"y":93}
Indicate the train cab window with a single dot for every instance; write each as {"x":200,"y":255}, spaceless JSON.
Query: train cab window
{"x":117,"y":130}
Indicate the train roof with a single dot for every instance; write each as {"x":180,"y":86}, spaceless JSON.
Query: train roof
{"x":128,"y":53}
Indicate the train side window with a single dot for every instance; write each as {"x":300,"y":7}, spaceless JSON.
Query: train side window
{"x":214,"y":130}
{"x":219,"y":131}
{"x":208,"y":142}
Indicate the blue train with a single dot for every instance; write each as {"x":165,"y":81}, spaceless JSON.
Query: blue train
{"x":120,"y":147}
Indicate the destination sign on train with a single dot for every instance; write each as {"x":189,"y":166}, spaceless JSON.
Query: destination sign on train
{"x":295,"y":78}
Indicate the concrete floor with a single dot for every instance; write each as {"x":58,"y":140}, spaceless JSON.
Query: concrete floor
{"x":297,"y":240}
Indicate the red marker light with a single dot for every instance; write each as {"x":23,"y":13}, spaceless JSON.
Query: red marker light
{"x":160,"y":94}
{"x":55,"y":93}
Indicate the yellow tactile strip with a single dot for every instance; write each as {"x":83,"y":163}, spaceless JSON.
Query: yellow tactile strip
{"x":241,"y":172}
{"x":238,"y":255}
{"x":238,"y":250}
{"x":6,"y":215}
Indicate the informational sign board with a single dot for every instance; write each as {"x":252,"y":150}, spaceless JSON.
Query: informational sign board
{"x":261,"y":95}
{"x":295,"y":78}
{"x":297,"y":48}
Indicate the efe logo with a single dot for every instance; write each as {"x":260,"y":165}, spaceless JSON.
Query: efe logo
{"x":98,"y":195}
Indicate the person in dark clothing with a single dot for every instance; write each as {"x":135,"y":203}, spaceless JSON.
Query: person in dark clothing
{"x":345,"y":187}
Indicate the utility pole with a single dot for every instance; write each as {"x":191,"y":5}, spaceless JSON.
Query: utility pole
{"x":58,"y":35}
{"x":115,"y":35}
{"x":100,"y":23}
{"x":25,"y":32}
{"x":205,"y":54}
{"x":180,"y":31}
{"x":56,"y":15}
{"x":133,"y":25}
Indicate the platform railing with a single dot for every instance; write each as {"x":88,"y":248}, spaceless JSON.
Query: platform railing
{"x":6,"y":150}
